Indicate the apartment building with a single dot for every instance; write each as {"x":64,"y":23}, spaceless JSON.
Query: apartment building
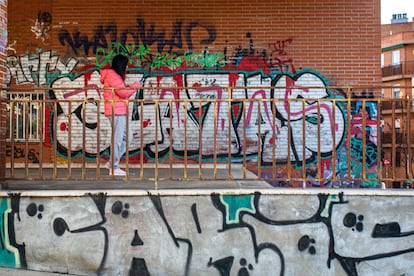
{"x":397,"y":62}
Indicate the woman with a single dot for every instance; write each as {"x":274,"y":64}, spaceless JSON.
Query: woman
{"x":116,"y":108}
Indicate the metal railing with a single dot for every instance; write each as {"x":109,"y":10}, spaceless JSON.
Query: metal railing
{"x":404,"y":68}
{"x":336,"y":142}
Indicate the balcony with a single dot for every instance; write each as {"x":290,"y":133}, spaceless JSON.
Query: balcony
{"x":402,"y":69}
{"x":391,"y":104}
{"x":400,"y":140}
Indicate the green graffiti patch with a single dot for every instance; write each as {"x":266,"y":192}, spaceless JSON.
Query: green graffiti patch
{"x":236,"y":204}
{"x":7,"y":256}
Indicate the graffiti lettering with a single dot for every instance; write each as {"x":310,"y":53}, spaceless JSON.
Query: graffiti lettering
{"x":212,"y":234}
{"x":16,"y":152}
{"x":37,"y":69}
{"x":142,"y":34}
{"x":42,"y":24}
{"x":279,"y":54}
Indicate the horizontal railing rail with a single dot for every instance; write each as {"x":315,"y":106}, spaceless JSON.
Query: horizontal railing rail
{"x":333,"y":140}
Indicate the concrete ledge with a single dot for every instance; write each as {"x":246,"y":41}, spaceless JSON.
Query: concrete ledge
{"x":279,"y":231}
{"x":195,"y":191}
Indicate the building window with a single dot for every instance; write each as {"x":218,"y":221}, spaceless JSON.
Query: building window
{"x":396,"y":57}
{"x":25,"y":122}
{"x":397,"y":124}
{"x":382,"y":60}
{"x":396,"y":92}
{"x":398,"y":158}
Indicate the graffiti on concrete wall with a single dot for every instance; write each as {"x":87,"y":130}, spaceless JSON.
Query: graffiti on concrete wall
{"x":219,"y":234}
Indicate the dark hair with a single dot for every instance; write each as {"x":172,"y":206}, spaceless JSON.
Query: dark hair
{"x":119,"y":64}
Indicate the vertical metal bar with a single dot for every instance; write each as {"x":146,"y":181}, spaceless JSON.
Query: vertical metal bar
{"x":289,"y":142}
{"x":157,"y":118}
{"x":170,"y":154}
{"x":26,"y":135}
{"x":127,"y":140}
{"x":185,"y":140}
{"x":69,"y":172}
{"x":112,"y":157}
{"x":41,"y":133}
{"x":393,"y":141}
{"x":13,"y":133}
{"x":320,"y":176}
{"x":30,"y":116}
{"x":348,"y":140}
{"x":409,"y":158}
{"x":303,"y":144}
{"x":379,"y":143}
{"x":22,"y":116}
{"x":215,"y":139}
{"x":55,"y":169}
{"x":200,"y":140}
{"x":244,"y":145}
{"x":333,"y":129}
{"x":83,"y":172}
{"x":259,"y":139}
{"x":17,"y":119}
{"x":141,"y":151}
{"x":229,"y":143}
{"x":274,"y":138}
{"x":229,"y":124}
{"x":364,"y":140}
{"x":98,"y":139}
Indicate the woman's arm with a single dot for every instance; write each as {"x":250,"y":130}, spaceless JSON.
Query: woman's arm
{"x":128,"y":91}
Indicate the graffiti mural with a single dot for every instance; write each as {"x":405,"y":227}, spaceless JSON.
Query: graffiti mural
{"x":268,"y":109}
{"x":251,"y":100}
{"x":274,"y":115}
{"x":181,"y":117}
{"x":216,"y":234}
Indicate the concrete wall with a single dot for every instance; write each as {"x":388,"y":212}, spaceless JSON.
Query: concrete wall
{"x":267,"y":232}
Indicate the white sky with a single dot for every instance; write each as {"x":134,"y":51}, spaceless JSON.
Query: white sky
{"x":390,"y":7}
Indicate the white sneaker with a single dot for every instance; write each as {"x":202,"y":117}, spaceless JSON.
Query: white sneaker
{"x":117,"y":172}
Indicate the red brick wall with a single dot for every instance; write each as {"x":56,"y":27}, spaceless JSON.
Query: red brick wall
{"x":339,"y":39}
